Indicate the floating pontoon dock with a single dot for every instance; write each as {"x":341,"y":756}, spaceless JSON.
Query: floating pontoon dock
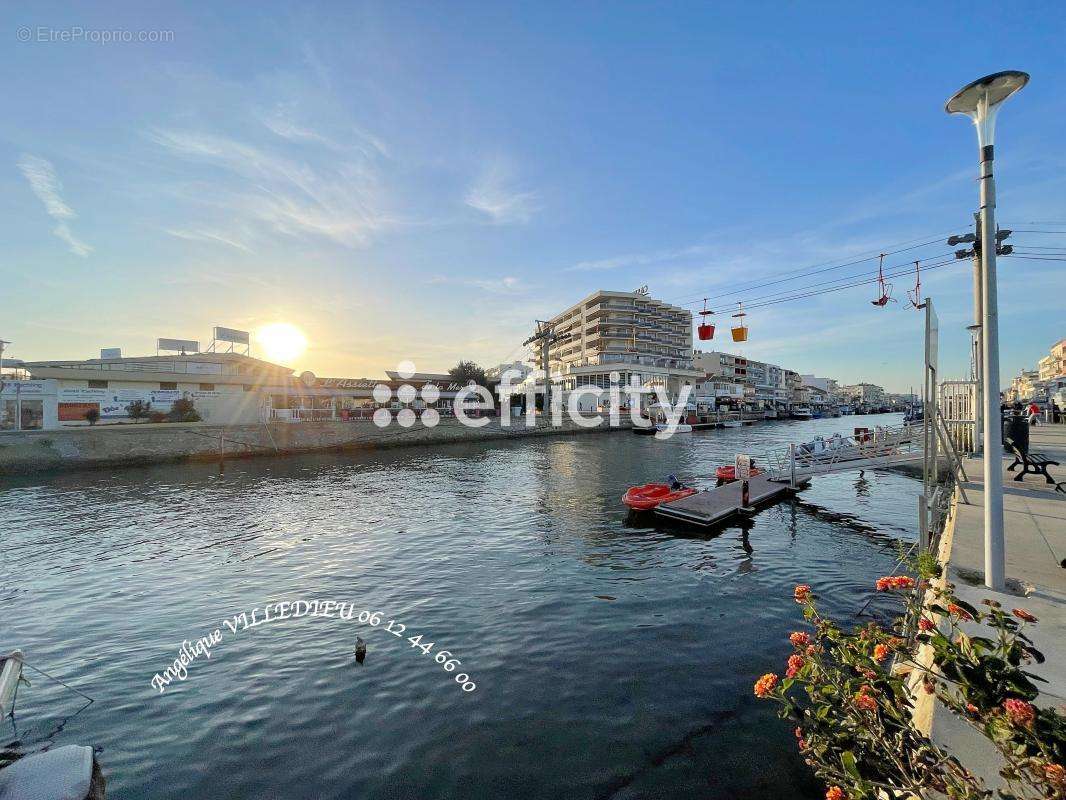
{"x":719,"y":504}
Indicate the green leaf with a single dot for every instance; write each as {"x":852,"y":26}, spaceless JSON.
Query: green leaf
{"x":847,"y":760}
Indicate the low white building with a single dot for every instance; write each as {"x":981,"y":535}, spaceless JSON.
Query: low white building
{"x":227,"y":388}
{"x":28,"y":405}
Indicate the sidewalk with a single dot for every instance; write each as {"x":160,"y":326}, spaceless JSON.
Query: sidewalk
{"x":1035,"y":530}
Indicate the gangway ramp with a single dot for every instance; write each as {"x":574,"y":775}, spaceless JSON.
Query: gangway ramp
{"x":874,"y":449}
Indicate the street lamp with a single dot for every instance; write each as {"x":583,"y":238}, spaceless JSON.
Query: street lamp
{"x":980,"y":101}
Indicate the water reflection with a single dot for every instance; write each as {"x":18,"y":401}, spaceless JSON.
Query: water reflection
{"x":518,"y":557}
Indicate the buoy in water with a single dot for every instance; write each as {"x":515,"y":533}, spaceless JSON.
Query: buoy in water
{"x":360,"y":650}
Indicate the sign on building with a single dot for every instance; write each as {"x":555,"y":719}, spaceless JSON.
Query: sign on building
{"x":231,"y":335}
{"x":177,"y":345}
{"x":111,"y":352}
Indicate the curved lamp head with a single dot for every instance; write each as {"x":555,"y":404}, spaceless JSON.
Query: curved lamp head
{"x":980,"y":101}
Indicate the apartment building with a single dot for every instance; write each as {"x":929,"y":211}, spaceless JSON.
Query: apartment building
{"x":1053,"y":365}
{"x":867,"y":395}
{"x":766,"y":385}
{"x":644,"y":340}
{"x":827,"y":385}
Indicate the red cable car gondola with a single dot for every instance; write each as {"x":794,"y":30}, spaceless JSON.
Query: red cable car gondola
{"x":885,"y":289}
{"x":916,"y":296}
{"x":705,"y":330}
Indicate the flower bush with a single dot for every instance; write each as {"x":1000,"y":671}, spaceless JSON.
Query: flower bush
{"x":854,"y":705}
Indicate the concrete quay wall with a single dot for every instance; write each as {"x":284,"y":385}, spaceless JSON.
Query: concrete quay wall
{"x":113,"y":445}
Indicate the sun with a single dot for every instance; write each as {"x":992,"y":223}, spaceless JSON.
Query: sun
{"x":281,"y":342}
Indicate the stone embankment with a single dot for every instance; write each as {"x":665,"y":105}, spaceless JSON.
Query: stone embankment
{"x":112,"y":445}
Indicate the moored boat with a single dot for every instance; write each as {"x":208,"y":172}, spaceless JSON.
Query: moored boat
{"x":801,"y":412}
{"x":728,"y":472}
{"x":650,"y":495}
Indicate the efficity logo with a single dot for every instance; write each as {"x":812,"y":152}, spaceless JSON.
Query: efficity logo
{"x":472,"y":406}
{"x":406,"y":394}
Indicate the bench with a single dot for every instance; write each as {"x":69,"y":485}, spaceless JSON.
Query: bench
{"x":1034,"y":463}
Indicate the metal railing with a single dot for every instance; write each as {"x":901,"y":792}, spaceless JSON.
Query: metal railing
{"x":880,"y":447}
{"x":958,"y":409}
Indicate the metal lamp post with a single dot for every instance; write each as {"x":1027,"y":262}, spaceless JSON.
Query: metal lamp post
{"x":981,"y":101}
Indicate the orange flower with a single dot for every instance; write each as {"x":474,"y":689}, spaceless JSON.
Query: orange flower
{"x":1020,"y":712}
{"x":959,"y":611}
{"x":925,"y":624}
{"x":972,"y":709}
{"x":800,"y":639}
{"x":1055,"y":775}
{"x":894,"y":582}
{"x":835,"y":793}
{"x":1023,"y":615}
{"x":880,"y":652}
{"x":795,"y":664}
{"x":766,"y":684}
{"x":802,"y":593}
{"x":864,"y":701}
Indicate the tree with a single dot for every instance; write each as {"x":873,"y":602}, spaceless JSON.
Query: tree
{"x":182,"y":410}
{"x":468,"y":372}
{"x":139,"y":409}
{"x":92,"y":415}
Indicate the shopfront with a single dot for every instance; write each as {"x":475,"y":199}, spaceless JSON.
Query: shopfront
{"x":28,"y":405}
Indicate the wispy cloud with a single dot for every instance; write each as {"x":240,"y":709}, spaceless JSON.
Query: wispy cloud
{"x":494,"y":194}
{"x":286,"y":196}
{"x":44,"y":182}
{"x":641,"y":259}
{"x":209,"y":236}
{"x":505,"y":285}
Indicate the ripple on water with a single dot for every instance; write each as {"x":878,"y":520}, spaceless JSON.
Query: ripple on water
{"x":613,"y":657}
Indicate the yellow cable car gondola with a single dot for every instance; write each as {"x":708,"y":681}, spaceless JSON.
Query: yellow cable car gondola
{"x":740,"y":330}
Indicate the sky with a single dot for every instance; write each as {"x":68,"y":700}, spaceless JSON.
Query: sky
{"x":420,"y":181}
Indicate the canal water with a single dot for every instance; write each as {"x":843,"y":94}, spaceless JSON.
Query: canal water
{"x":608,"y":657}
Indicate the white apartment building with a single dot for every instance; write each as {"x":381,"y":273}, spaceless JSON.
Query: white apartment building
{"x":642,"y":339}
{"x":827,"y":385}
{"x":767,"y":385}
{"x":865,"y":394}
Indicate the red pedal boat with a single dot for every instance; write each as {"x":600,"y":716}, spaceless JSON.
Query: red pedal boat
{"x":648,"y":496}
{"x":729,"y":473}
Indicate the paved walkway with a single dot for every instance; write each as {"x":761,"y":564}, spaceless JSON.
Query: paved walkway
{"x":1035,"y":527}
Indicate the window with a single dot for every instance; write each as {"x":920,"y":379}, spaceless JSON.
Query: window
{"x":97,"y":384}
{"x":168,"y":385}
{"x":207,"y":387}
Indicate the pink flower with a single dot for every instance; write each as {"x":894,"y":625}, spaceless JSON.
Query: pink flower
{"x":802,"y":593}
{"x":925,"y":624}
{"x":795,"y":664}
{"x":1023,"y":615}
{"x":766,"y":684}
{"x":1020,"y":712}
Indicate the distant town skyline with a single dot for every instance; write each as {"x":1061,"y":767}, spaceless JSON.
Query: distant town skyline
{"x":421,"y":182}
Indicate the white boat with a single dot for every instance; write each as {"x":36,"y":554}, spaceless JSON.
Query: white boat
{"x":802,"y":412}
{"x":681,"y":427}
{"x":770,"y":413}
{"x":732,"y":423}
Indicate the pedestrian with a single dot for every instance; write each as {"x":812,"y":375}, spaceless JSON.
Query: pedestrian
{"x":1056,"y":412}
{"x":1034,"y":413}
